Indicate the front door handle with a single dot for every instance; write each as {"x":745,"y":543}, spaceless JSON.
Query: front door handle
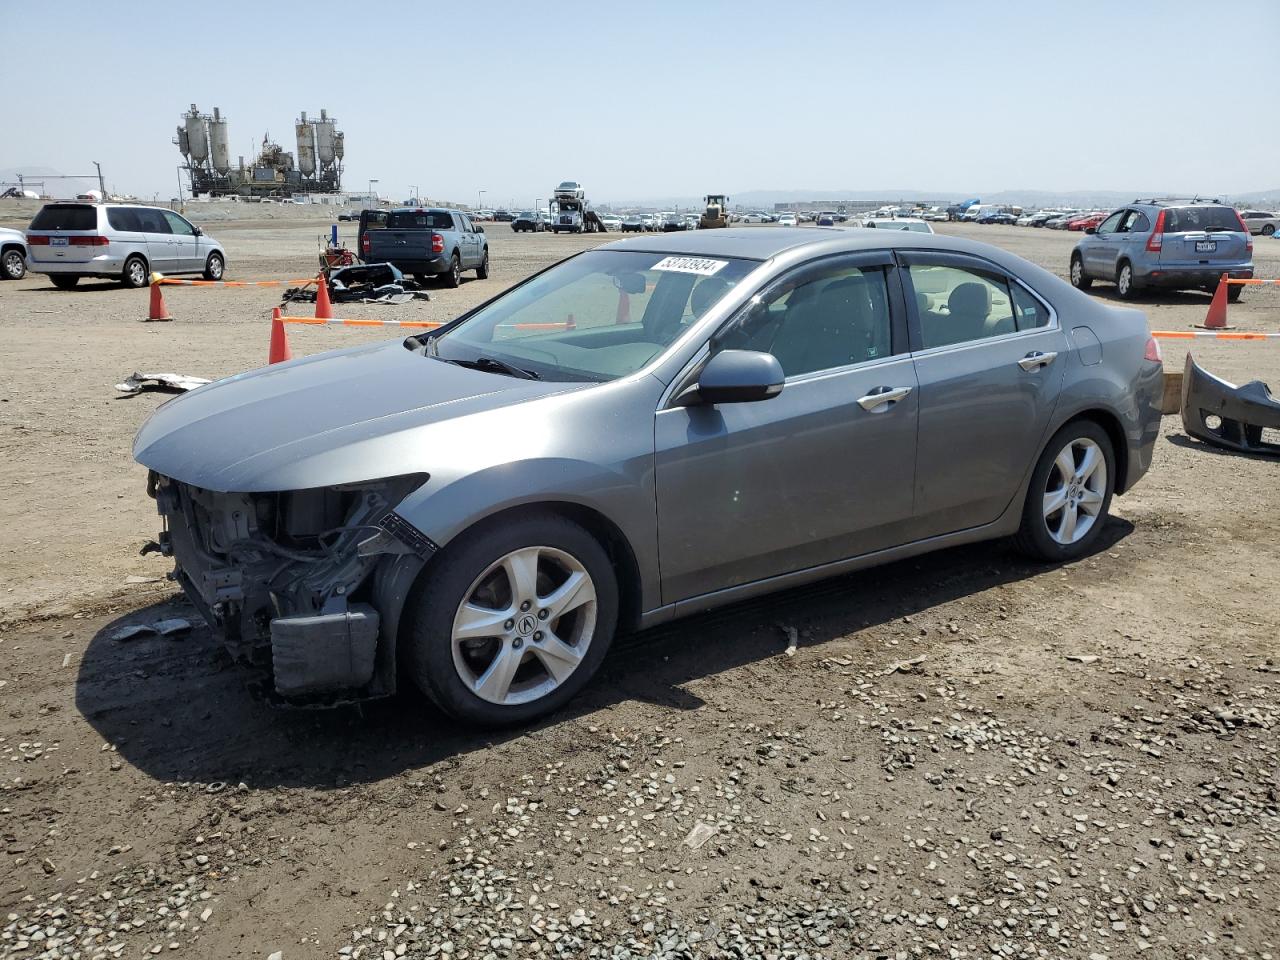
{"x":1036,"y":359}
{"x":881,"y":396}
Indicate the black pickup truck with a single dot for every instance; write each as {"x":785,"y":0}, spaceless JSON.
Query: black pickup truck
{"x":425,"y":242}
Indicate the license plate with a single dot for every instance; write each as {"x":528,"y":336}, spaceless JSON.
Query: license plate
{"x":58,"y":241}
{"x":1206,"y":246}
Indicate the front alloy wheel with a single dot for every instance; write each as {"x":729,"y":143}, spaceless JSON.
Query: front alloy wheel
{"x":525,"y":626}
{"x":1079,"y":279}
{"x":14,"y":265}
{"x":512,"y":619}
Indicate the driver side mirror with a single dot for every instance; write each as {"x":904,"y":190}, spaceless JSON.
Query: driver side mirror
{"x":197,"y":231}
{"x":478,"y":228}
{"x":1090,"y":230}
{"x":735,"y":376}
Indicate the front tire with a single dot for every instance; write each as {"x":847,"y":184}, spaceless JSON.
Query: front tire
{"x":214,"y":267}
{"x":1069,"y":495}
{"x":1268,"y":230}
{"x":453,"y":276}
{"x":134,"y":275}
{"x":482,"y":271}
{"x":13,"y":265}
{"x":64,"y":282}
{"x":513,"y":620}
{"x":1126,"y":289}
{"x":1079,"y":279}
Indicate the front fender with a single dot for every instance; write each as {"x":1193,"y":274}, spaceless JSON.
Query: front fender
{"x":623,"y":493}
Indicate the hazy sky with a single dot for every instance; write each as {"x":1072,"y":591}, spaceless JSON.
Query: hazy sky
{"x":646,"y":99}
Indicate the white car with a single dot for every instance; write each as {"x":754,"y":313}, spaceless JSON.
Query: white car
{"x":13,"y":254}
{"x":611,"y":222}
{"x":912,"y":224}
{"x":1260,"y":221}
{"x":787,"y":220}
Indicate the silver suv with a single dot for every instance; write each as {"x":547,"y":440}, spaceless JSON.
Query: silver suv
{"x":1175,"y":244}
{"x":120,"y":242}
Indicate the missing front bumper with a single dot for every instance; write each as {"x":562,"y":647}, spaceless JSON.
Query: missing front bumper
{"x":1225,"y":415}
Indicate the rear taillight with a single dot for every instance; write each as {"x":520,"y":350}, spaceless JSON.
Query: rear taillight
{"x":437,"y":243}
{"x":37,"y":241}
{"x":364,"y":243}
{"x":89,"y":241}
{"x":1156,"y":240}
{"x":1248,"y":237}
{"x":1152,"y":352}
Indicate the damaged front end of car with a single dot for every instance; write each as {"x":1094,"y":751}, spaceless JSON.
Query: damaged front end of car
{"x":305,"y":585}
{"x":1244,"y":418}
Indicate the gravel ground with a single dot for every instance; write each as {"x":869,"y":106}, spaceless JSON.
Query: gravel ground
{"x":964,"y":755}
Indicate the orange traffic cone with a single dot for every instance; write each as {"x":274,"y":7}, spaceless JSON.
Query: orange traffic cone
{"x":279,"y":350}
{"x":158,"y":310}
{"x":324,"y":310}
{"x":1216,"y":318}
{"x":624,"y":308}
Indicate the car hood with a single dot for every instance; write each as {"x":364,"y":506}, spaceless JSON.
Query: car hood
{"x":8,"y":234}
{"x":329,"y":419}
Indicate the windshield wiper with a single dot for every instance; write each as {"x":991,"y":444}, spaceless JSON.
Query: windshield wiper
{"x":494,"y":366}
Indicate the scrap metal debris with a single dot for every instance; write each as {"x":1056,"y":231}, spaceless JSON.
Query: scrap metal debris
{"x":173,"y":628}
{"x":1083,"y":657}
{"x":168,"y":382}
{"x":363,"y":283}
{"x":700,"y":834}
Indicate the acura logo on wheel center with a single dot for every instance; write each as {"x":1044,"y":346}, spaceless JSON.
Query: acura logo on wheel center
{"x":526,"y":625}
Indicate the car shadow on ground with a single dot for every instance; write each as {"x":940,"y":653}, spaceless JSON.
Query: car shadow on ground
{"x":180,"y":710}
{"x":1150,"y":298}
{"x":85,"y":286}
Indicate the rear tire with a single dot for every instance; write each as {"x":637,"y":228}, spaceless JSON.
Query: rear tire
{"x":482,"y":271}
{"x":448,"y":670}
{"x":1234,"y":293}
{"x":64,"y":282}
{"x":1046,"y":532}
{"x":135,"y":275}
{"x":453,"y":276}
{"x":1126,"y":289}
{"x":1079,"y":279}
{"x":13,"y":265}
{"x":214,"y":267}
{"x":1268,"y":230}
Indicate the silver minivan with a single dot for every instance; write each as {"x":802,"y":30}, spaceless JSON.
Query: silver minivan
{"x":118,"y":241}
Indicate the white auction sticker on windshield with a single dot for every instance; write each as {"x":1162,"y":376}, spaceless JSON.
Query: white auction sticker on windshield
{"x":699,"y":265}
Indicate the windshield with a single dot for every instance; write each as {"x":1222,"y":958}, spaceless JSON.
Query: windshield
{"x":598,"y":316}
{"x":525,"y":215}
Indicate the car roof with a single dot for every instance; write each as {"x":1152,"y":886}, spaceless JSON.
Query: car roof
{"x":764,"y":244}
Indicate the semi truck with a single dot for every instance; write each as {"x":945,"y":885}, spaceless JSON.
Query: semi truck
{"x":570,"y":211}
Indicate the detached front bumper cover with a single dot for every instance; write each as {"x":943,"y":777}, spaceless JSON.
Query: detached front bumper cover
{"x":1225,"y":415}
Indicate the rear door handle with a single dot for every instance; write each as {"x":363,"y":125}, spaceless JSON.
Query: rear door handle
{"x":1036,"y":359}
{"x":881,"y":396}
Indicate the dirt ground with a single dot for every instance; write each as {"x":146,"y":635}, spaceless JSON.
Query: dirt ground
{"x":965,"y":756}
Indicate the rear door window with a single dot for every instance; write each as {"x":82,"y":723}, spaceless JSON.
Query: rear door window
{"x":124,"y":219}
{"x":1192,"y":219}
{"x":959,"y":304}
{"x":66,"y":217}
{"x":1028,"y":312}
{"x":151,"y":220}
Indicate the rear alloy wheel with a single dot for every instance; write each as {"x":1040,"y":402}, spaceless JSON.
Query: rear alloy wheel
{"x":1124,"y":282}
{"x":514,"y":621}
{"x":214,"y":266}
{"x":13,"y":265}
{"x":1079,"y":279}
{"x":1268,"y":230}
{"x":453,"y":276}
{"x":482,"y":271}
{"x":134,"y":274}
{"x":1069,"y":495}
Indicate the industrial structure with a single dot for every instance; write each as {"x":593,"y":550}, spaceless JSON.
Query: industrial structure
{"x":204,"y":143}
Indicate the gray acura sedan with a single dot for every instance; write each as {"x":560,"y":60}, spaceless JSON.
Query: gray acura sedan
{"x":647,"y":429}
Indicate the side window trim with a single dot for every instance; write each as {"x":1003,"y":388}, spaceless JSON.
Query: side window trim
{"x":908,"y":258}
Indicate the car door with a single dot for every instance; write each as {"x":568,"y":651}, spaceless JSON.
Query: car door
{"x":472,"y":235}
{"x":821,"y":472}
{"x":186,"y":243}
{"x":162,"y":248}
{"x":990,"y":359}
{"x":1100,"y":250}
